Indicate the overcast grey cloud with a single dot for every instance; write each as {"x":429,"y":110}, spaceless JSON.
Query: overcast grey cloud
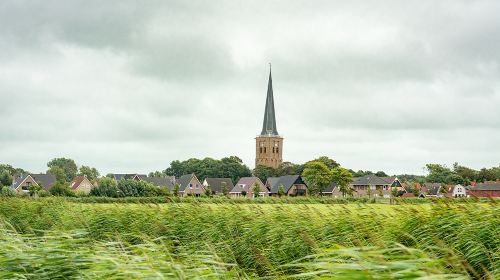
{"x":129,"y":86}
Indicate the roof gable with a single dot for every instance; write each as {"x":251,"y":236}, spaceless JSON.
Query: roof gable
{"x":287,"y":182}
{"x":217,"y":183}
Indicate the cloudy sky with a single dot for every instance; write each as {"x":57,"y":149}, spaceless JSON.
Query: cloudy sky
{"x":129,"y":86}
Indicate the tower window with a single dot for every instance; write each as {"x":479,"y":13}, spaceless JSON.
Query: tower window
{"x":261,"y":150}
{"x":265,"y":150}
{"x":277,"y":150}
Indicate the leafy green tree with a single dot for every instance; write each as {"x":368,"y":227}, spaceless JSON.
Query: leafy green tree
{"x":61,"y":189}
{"x":208,"y":191}
{"x":5,"y":178}
{"x":156,"y":174}
{"x":176,"y":190}
{"x":263,"y":172}
{"x":7,"y":192}
{"x":443,"y":190}
{"x":369,"y":192}
{"x":58,"y":173}
{"x":486,"y":174}
{"x":317,"y":176}
{"x":256,"y":190}
{"x":131,"y":188}
{"x":360,"y":173}
{"x":34,"y":190}
{"x":224,"y":189}
{"x":281,"y":190}
{"x":330,"y":163}
{"x":343,"y":178}
{"x":11,"y":170}
{"x":67,"y":165}
{"x":381,"y":174}
{"x":228,"y":167}
{"x":287,"y":168}
{"x":438,"y":173}
{"x":454,"y":178}
{"x":106,"y":187}
{"x":394,"y":192}
{"x":90,"y":172}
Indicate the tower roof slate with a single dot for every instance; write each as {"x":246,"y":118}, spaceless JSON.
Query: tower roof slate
{"x":269,"y":124}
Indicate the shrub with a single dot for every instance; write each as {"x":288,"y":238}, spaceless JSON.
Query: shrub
{"x":7,"y":192}
{"x":107,"y":187}
{"x":61,"y":189}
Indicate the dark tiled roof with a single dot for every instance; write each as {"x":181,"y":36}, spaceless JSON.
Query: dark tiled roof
{"x":331,"y":188}
{"x":269,"y":124}
{"x":370,"y":180}
{"x":46,"y":180}
{"x":161,"y":181}
{"x":17,"y":181}
{"x":76,"y":182}
{"x":216,"y":184}
{"x":247,"y":182}
{"x":183,"y":181}
{"x":287,"y":181}
{"x":432,"y":188}
{"x":487,"y":186}
{"x":119,"y":177}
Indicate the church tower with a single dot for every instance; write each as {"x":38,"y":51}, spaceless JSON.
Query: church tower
{"x":269,"y":145}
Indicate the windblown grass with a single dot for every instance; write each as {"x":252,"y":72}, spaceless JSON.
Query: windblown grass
{"x":54,"y":238}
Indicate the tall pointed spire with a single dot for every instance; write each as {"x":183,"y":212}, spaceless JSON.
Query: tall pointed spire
{"x":269,"y":124}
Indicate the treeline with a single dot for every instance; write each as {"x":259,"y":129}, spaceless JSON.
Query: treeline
{"x":318,"y":173}
{"x":459,"y":174}
{"x":228,"y":167}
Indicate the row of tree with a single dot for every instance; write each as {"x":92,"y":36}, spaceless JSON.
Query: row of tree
{"x":316,"y":172}
{"x":459,"y":174}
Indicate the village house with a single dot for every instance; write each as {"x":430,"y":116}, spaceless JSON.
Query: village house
{"x":332,"y":190}
{"x":293,"y":185}
{"x":431,"y":190}
{"x":245,"y":187}
{"x":456,"y":191}
{"x":23,"y":183}
{"x":486,"y":189}
{"x":371,"y":185}
{"x":81,"y":184}
{"x":217,"y":185}
{"x":189,"y":185}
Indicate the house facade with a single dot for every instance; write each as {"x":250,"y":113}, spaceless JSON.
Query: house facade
{"x":372,"y":186}
{"x":486,"y":189}
{"x":332,"y":190}
{"x":23,"y":183}
{"x":293,"y":185}
{"x":245,"y":188}
{"x":456,"y":191}
{"x":217,"y":185}
{"x":81,"y":184}
{"x":189,"y":185}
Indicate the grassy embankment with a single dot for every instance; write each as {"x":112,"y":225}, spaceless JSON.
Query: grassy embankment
{"x":51,"y":238}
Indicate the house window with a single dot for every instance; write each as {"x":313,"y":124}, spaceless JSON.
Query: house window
{"x":190,"y":186}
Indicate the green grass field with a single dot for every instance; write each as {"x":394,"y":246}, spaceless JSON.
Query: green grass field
{"x":54,"y":238}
